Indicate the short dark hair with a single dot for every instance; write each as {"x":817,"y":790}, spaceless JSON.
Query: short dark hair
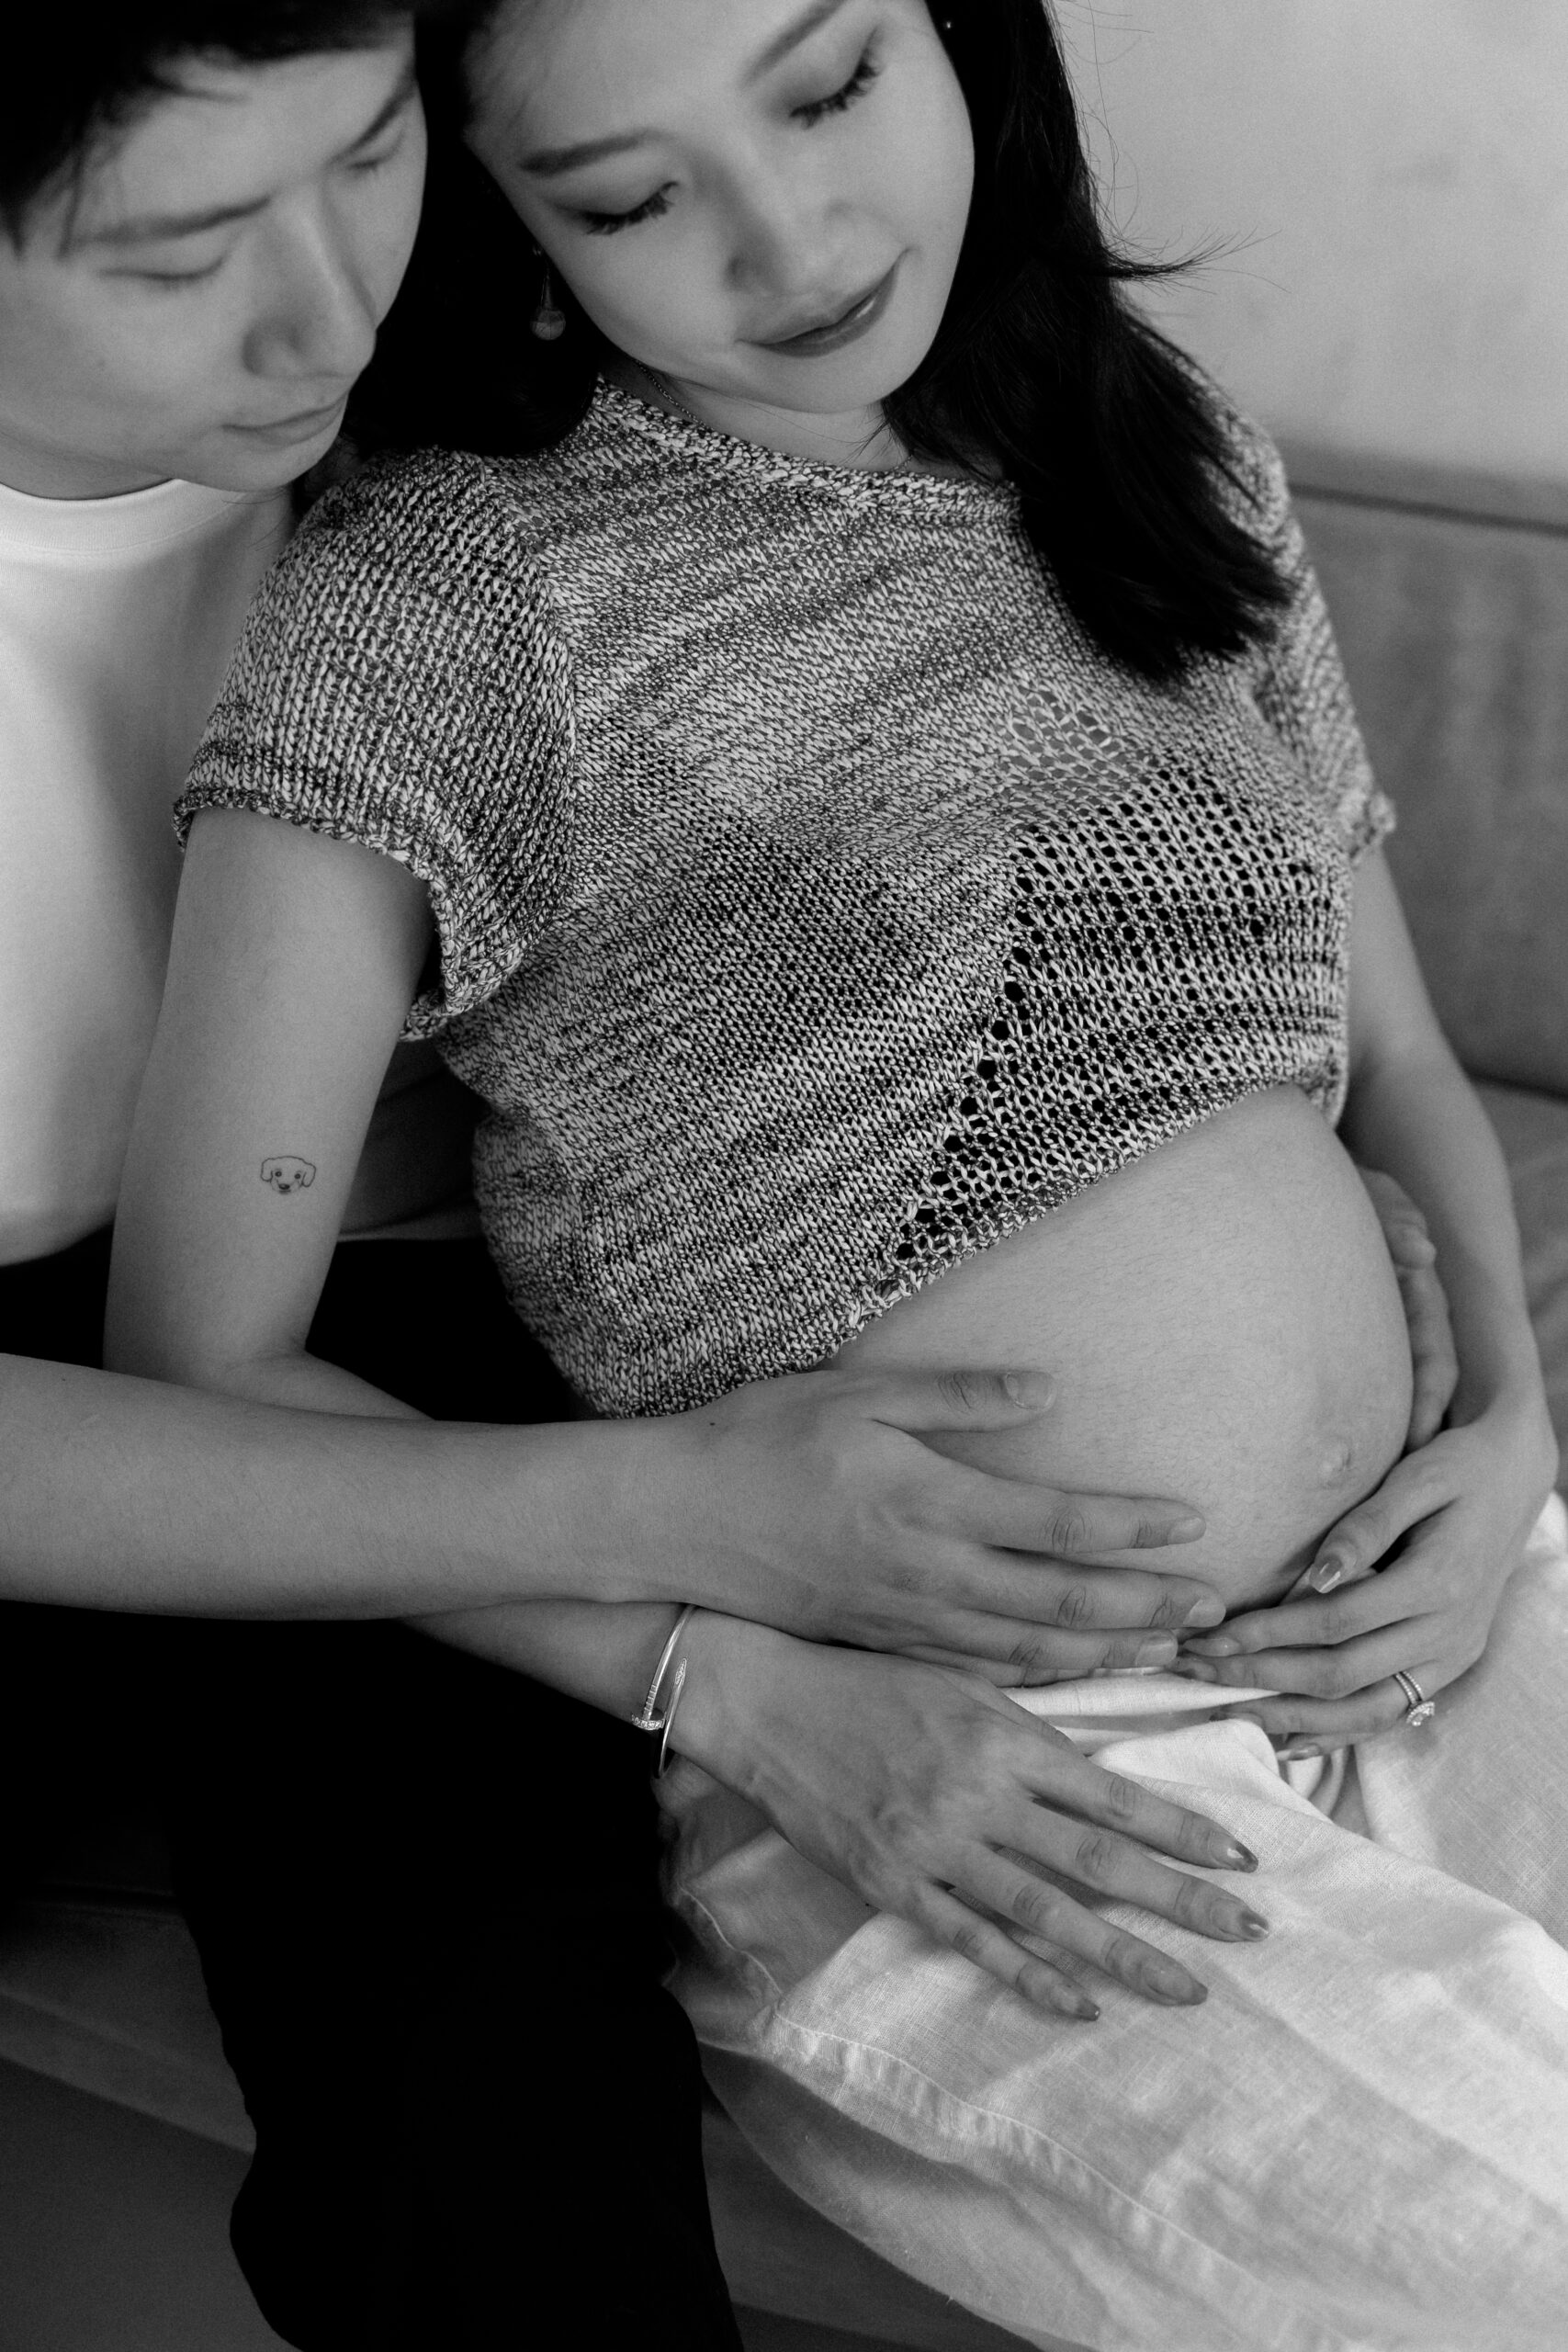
{"x":1114,"y":440}
{"x":77,"y":70}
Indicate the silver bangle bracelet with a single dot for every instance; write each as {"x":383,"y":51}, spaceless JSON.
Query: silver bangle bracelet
{"x":649,"y":1717}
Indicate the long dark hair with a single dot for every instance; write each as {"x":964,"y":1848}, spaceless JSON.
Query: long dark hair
{"x":1041,"y":362}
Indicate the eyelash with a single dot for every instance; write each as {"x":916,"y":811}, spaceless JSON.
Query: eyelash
{"x":841,"y":101}
{"x":605,"y":224}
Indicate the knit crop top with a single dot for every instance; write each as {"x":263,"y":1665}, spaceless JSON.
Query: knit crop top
{"x":815,"y":904}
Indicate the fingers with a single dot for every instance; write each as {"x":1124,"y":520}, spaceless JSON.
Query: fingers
{"x":1056,"y":1775}
{"x":1350,"y":1669}
{"x":1084,"y":1600}
{"x":1434,"y":1361}
{"x":1317,"y":1727}
{"x":1052,"y":1522}
{"x":992,"y":1949}
{"x":1308,"y":1624}
{"x":1023,"y":1657}
{"x":1403,"y":1227}
{"x":1022,"y":1899}
{"x":952,"y":1398}
{"x":1108,"y":1866}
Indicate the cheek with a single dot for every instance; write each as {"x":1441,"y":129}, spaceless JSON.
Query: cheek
{"x":393,"y":222}
{"x":654,"y":293}
{"x":926,"y":166}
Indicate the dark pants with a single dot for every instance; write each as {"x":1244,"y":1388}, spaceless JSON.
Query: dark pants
{"x":426,"y":1893}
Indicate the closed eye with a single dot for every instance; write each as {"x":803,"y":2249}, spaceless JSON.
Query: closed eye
{"x":171,"y":277}
{"x":840,"y":100}
{"x":604,"y":224}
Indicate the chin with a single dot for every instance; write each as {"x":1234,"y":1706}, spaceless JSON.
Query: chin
{"x":231,"y":461}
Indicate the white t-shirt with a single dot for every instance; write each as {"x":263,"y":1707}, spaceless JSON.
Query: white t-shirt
{"x":117,"y":617}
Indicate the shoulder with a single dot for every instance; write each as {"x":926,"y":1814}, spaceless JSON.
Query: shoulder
{"x":441,"y":522}
{"x":1252,"y":469}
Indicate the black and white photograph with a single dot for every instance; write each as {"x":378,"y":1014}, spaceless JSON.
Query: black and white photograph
{"x":784,"y":1176}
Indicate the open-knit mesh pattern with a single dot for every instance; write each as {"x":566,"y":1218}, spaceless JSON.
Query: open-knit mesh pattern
{"x":815,"y":905}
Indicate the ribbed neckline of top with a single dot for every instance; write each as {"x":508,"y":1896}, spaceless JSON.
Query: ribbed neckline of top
{"x":956,"y":497}
{"x":88,"y":526}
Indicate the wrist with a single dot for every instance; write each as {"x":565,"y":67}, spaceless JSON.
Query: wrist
{"x":734,"y":1669}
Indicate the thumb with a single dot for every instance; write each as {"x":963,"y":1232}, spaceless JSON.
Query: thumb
{"x":956,"y":1398}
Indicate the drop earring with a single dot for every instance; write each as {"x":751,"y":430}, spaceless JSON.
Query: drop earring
{"x":548,"y":322}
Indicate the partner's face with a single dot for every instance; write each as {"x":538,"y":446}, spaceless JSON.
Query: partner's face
{"x":762,"y":198}
{"x":200,"y":306}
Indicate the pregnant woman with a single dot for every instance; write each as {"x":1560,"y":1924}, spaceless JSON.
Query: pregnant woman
{"x":856,"y":775}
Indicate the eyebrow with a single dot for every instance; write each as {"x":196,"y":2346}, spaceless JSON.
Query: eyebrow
{"x":779,"y":48}
{"x":548,"y":162}
{"x":156,"y":228}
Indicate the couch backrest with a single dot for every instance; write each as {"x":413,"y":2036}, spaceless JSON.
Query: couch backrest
{"x":1453,"y":621}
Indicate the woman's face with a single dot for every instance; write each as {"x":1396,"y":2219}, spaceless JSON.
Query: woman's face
{"x":761,"y":198}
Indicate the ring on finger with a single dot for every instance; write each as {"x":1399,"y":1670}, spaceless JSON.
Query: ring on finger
{"x":1419,"y":1709}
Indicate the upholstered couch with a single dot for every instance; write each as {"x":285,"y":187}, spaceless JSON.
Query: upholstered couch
{"x":122,"y":2134}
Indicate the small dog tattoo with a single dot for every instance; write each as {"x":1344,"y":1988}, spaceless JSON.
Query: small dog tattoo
{"x":286,"y":1174}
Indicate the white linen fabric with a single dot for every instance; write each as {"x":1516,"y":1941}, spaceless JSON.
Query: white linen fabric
{"x":1360,"y":2142}
{"x":117,"y":618}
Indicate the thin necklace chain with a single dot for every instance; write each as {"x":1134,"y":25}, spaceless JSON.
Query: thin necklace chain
{"x":667,"y":392}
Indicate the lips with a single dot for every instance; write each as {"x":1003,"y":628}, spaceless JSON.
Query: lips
{"x":302,"y":423}
{"x":844,"y":324}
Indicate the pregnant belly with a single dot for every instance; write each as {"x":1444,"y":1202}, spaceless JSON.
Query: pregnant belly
{"x":1223,"y":1325}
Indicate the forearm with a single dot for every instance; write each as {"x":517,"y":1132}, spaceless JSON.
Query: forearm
{"x":604,"y":1656}
{"x":122,"y":1493}
{"x":1418,"y":1118}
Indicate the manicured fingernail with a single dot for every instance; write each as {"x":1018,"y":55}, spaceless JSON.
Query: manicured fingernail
{"x":1188,"y":1530}
{"x":1324,"y":1574}
{"x":1297,"y":1750}
{"x":1084,"y":2010}
{"x":1253,"y":1925}
{"x":1209,"y":1611}
{"x":1158,"y":1650}
{"x":1034,"y":1388}
{"x":1174,"y":1984}
{"x":1217,"y":1646}
{"x":1237,"y":1857}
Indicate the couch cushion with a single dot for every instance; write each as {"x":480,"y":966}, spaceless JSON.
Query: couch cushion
{"x":1533,"y":1130}
{"x":1454,"y":629}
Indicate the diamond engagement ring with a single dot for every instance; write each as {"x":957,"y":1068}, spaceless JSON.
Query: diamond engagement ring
{"x":1421,"y":1709}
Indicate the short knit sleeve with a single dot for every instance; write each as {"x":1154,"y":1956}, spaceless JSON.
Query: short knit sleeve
{"x":1300,"y":685}
{"x":401,"y":683}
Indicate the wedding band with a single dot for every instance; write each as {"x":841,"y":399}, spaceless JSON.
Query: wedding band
{"x":1421,"y":1709}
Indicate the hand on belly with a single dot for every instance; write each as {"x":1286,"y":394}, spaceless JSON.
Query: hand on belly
{"x":1223,"y":1325}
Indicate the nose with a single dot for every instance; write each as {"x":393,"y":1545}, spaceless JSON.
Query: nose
{"x":315,"y":313}
{"x":786,"y":233}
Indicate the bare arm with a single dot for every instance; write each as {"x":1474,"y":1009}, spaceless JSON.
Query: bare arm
{"x":1447,"y":1525}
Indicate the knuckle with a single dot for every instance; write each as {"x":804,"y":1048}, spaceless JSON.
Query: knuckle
{"x":1072,"y":1607}
{"x":968,"y":1940}
{"x":963,"y":1392}
{"x":1095,"y":1858}
{"x":1337,"y":1679}
{"x":1067,"y":1531}
{"x":1030,"y":1660}
{"x":1035,"y":1907}
{"x":1122,"y":1797}
{"x":1193,"y":1903}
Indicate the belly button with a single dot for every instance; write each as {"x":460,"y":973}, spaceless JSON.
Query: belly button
{"x":1336,"y":1462}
